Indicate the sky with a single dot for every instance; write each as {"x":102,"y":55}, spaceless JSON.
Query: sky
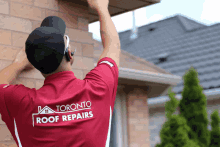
{"x":203,"y":11}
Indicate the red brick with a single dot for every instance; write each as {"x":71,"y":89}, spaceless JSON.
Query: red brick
{"x":19,"y":39}
{"x":78,"y":73}
{"x":3,"y":145}
{"x":133,"y":121}
{"x":85,"y":72}
{"x":26,"y":11}
{"x":8,"y":144}
{"x":77,"y":46}
{"x":49,"y":4}
{"x":97,"y":53}
{"x":28,"y":2}
{"x":70,"y":20}
{"x":8,"y":53}
{"x":88,"y":63}
{"x":5,"y":134}
{"x":30,"y":83}
{"x":78,"y":64}
{"x":135,"y":145}
{"x":36,"y":24}
{"x":5,"y":37}
{"x":75,"y":9}
{"x":5,"y":63}
{"x":79,"y":36}
{"x":133,"y":108}
{"x":13,"y":145}
{"x":138,"y":118}
{"x":1,"y":121}
{"x":83,"y":63}
{"x":83,"y":24}
{"x":4,"y":7}
{"x":34,"y":73}
{"x":15,"y":24}
{"x":139,"y":127}
{"x":137,"y":102}
{"x":145,"y":145}
{"x":51,"y":13}
{"x":88,"y":50}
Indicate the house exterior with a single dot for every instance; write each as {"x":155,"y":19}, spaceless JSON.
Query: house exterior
{"x":138,"y":79}
{"x":175,"y":44}
{"x":130,"y":117}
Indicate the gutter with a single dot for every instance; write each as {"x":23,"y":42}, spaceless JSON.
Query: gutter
{"x":148,"y":76}
{"x":160,"y":101}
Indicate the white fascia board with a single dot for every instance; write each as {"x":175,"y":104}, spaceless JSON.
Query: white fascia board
{"x":149,"y":76}
{"x":210,"y":94}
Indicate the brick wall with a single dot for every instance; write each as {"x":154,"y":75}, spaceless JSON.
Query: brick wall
{"x":19,"y":18}
{"x":137,"y":115}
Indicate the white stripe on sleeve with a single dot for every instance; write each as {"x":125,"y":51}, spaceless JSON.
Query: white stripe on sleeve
{"x":107,"y":62}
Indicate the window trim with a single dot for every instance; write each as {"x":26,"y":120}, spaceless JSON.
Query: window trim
{"x":121,"y":119}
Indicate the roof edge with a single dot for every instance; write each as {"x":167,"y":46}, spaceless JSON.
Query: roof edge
{"x":160,"y":101}
{"x":181,"y":18}
{"x":148,"y":76}
{"x":175,"y":16}
{"x":143,"y":61}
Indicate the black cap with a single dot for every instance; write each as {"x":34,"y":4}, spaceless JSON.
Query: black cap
{"x":45,"y":46}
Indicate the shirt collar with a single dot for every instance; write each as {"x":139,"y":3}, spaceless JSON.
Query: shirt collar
{"x":64,"y":75}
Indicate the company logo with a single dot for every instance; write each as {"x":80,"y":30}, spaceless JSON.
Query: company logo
{"x":64,"y":113}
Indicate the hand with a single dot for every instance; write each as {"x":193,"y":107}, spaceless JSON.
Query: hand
{"x":98,"y":4}
{"x":22,"y":60}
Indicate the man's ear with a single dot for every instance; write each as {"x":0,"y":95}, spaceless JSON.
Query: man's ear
{"x":69,"y":52}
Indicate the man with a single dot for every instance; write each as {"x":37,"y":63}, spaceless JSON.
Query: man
{"x":66,"y":111}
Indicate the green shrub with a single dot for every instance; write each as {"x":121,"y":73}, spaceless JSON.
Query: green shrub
{"x":193,"y":108}
{"x":215,"y":132}
{"x":170,"y":106}
{"x":174,"y":132}
{"x":191,"y":143}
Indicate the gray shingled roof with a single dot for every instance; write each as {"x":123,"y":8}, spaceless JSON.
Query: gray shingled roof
{"x":189,"y":24}
{"x":186,"y":43}
{"x":164,"y":29}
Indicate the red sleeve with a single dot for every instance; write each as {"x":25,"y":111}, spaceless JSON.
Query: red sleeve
{"x":10,"y":99}
{"x":105,"y":73}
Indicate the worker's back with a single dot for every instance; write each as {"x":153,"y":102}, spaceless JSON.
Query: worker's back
{"x":66,"y":111}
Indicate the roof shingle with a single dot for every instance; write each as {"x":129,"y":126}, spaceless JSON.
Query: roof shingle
{"x":187,"y":42}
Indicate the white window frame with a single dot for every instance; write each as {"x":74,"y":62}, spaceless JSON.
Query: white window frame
{"x":121,"y":119}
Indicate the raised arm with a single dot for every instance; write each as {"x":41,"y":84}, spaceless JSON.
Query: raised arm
{"x":109,"y":35}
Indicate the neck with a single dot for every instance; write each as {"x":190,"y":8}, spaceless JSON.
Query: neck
{"x":58,"y":70}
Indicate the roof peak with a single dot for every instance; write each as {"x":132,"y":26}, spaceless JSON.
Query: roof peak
{"x":188,"y":23}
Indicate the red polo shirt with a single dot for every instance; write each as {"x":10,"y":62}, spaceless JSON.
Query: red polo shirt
{"x":66,"y":111}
